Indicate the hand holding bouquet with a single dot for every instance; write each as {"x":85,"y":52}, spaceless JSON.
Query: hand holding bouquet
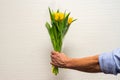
{"x":57,"y":29}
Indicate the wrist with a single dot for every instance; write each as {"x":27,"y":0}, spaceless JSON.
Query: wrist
{"x":69,"y":63}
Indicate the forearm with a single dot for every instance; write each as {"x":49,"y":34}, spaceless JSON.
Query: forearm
{"x":87,"y":64}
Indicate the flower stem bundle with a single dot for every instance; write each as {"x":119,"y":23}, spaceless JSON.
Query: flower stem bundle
{"x":57,"y":29}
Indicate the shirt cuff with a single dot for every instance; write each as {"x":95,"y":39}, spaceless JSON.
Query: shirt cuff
{"x":107,"y":63}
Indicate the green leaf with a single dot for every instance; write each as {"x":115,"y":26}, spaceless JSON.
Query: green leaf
{"x":74,"y":20}
{"x":51,"y":15}
{"x":66,"y":18}
{"x":55,"y":32}
{"x":48,"y":27}
{"x":65,"y":25}
{"x":51,"y":33}
{"x":58,"y":11}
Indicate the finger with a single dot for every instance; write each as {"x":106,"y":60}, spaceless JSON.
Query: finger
{"x":52,"y":59}
{"x":53,"y":52}
{"x":53,"y":64}
{"x":53,"y":56}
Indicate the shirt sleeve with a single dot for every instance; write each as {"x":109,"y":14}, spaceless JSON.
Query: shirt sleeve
{"x":110,"y":62}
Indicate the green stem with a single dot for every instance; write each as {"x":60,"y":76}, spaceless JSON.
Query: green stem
{"x":58,"y":48}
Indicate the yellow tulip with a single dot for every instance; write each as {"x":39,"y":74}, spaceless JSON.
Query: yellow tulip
{"x":70,"y":20}
{"x":61,"y":16}
{"x":56,"y":16}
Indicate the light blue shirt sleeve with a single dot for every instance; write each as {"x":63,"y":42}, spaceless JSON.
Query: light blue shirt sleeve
{"x":110,"y":62}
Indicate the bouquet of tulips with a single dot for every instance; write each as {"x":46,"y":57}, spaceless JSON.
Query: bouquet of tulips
{"x":57,"y":29}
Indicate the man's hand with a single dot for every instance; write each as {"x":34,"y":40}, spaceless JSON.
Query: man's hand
{"x":59,"y":59}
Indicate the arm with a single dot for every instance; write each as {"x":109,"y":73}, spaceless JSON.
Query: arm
{"x":109,"y":63}
{"x":87,"y":64}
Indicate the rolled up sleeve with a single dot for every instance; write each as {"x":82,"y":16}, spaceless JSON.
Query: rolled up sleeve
{"x":110,"y":62}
